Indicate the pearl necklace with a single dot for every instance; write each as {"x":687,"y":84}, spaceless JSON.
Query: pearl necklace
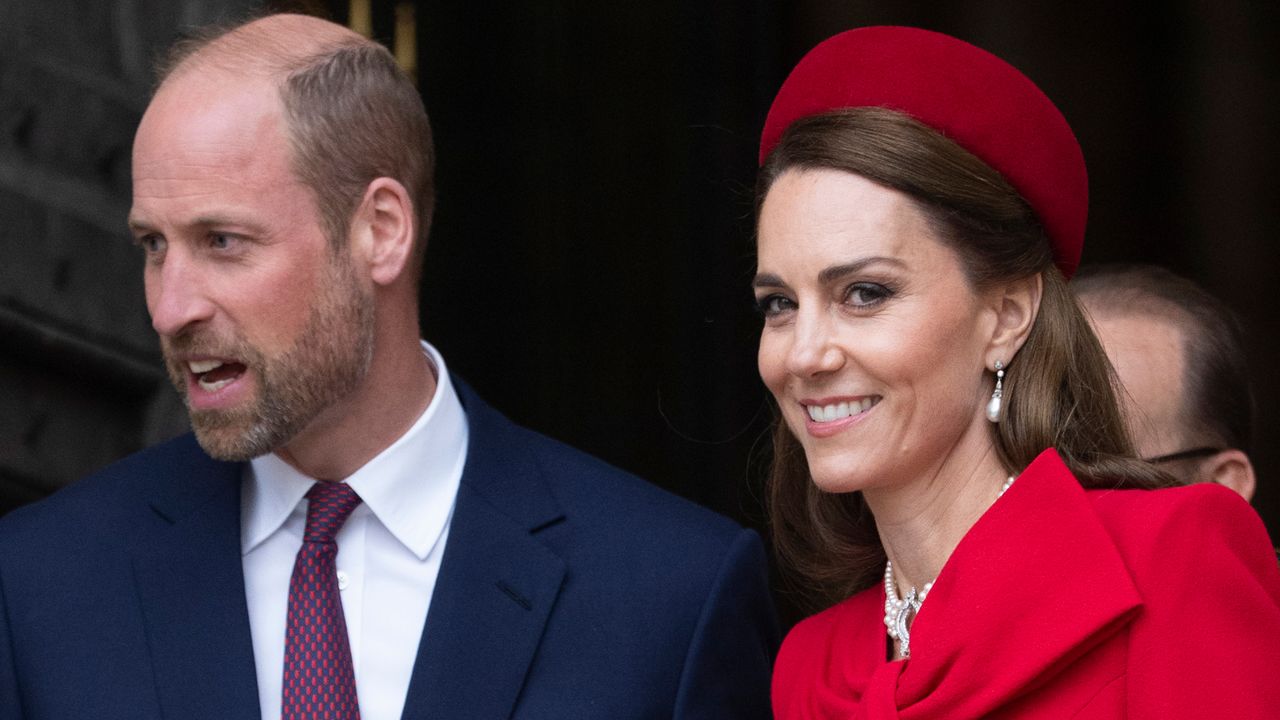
{"x":899,"y":612}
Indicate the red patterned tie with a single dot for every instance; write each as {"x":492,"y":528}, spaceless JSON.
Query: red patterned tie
{"x":319,"y":681}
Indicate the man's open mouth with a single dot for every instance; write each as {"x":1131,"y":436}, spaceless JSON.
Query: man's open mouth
{"x":213,"y":375}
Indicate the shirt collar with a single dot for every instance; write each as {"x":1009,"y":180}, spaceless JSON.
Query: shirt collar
{"x":409,"y":487}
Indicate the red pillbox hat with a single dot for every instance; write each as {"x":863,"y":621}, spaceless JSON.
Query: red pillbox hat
{"x":972,"y":97}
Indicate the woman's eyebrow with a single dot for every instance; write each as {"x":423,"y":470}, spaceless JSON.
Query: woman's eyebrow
{"x":831,"y":274}
{"x":835,"y":272}
{"x":767,"y":280}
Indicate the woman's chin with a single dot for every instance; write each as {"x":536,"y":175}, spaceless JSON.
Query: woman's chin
{"x":837,"y":481}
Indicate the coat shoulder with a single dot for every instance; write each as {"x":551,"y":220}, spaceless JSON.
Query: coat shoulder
{"x":1208,"y":576}
{"x":100,"y":507}
{"x":1154,"y":522}
{"x":599,"y":494}
{"x":1191,"y":541}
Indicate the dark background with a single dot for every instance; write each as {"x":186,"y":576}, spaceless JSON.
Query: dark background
{"x":589,"y":265}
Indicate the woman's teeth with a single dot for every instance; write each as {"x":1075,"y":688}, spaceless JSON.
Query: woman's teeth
{"x":828,"y":413}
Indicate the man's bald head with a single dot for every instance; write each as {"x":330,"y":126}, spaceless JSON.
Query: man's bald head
{"x":1179,"y":353}
{"x":352,"y":114}
{"x":274,"y":45}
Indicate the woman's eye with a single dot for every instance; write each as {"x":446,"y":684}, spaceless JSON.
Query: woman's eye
{"x":866,"y":294}
{"x":771,"y":305}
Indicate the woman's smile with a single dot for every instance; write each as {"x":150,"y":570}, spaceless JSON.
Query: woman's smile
{"x":830,"y":416}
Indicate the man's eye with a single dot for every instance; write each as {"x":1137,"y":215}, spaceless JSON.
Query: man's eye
{"x":151,"y":244}
{"x":219,"y":241}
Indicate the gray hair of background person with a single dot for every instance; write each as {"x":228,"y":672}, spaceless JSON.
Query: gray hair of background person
{"x":1216,"y":384}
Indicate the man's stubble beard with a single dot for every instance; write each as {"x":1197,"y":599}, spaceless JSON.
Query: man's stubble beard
{"x":328,"y":360}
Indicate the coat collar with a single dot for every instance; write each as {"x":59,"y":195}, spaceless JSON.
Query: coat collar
{"x":1035,"y":583}
{"x":493,"y":597}
{"x":191,"y":587}
{"x":497,"y":583}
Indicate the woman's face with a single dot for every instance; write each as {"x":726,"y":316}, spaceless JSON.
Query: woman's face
{"x":874,"y":343}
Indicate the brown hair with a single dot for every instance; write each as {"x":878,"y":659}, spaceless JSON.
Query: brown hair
{"x":1058,"y":390}
{"x":352,"y":115}
{"x":1216,"y":379}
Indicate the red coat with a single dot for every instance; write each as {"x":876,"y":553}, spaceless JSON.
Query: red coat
{"x":1062,"y":602}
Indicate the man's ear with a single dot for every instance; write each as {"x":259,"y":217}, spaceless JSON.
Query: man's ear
{"x":382,"y":230}
{"x":1230,"y":468}
{"x":1016,"y":305}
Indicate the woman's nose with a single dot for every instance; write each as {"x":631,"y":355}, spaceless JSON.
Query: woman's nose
{"x":813,"y":350}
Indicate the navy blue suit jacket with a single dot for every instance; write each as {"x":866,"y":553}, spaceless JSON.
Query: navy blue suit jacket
{"x":568,"y":589}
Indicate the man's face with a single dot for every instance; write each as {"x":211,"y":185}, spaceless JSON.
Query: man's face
{"x":263,"y":327}
{"x":1147,"y":353}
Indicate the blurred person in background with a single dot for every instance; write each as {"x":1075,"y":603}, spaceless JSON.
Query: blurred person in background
{"x":1178,"y":353}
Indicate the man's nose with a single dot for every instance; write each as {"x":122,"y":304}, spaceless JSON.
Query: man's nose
{"x":176,"y":296}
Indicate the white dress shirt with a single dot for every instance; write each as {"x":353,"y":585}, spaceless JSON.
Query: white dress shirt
{"x":389,"y":551}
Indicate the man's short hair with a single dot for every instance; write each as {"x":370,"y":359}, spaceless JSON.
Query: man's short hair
{"x":1218,"y":397}
{"x":352,"y":114}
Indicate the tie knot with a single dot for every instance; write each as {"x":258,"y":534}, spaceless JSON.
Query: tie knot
{"x":329,"y":505}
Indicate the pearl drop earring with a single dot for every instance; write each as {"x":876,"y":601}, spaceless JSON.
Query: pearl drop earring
{"x":997,"y":395}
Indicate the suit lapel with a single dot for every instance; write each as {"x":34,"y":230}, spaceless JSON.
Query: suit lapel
{"x":191,"y":588}
{"x":497,"y":583}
